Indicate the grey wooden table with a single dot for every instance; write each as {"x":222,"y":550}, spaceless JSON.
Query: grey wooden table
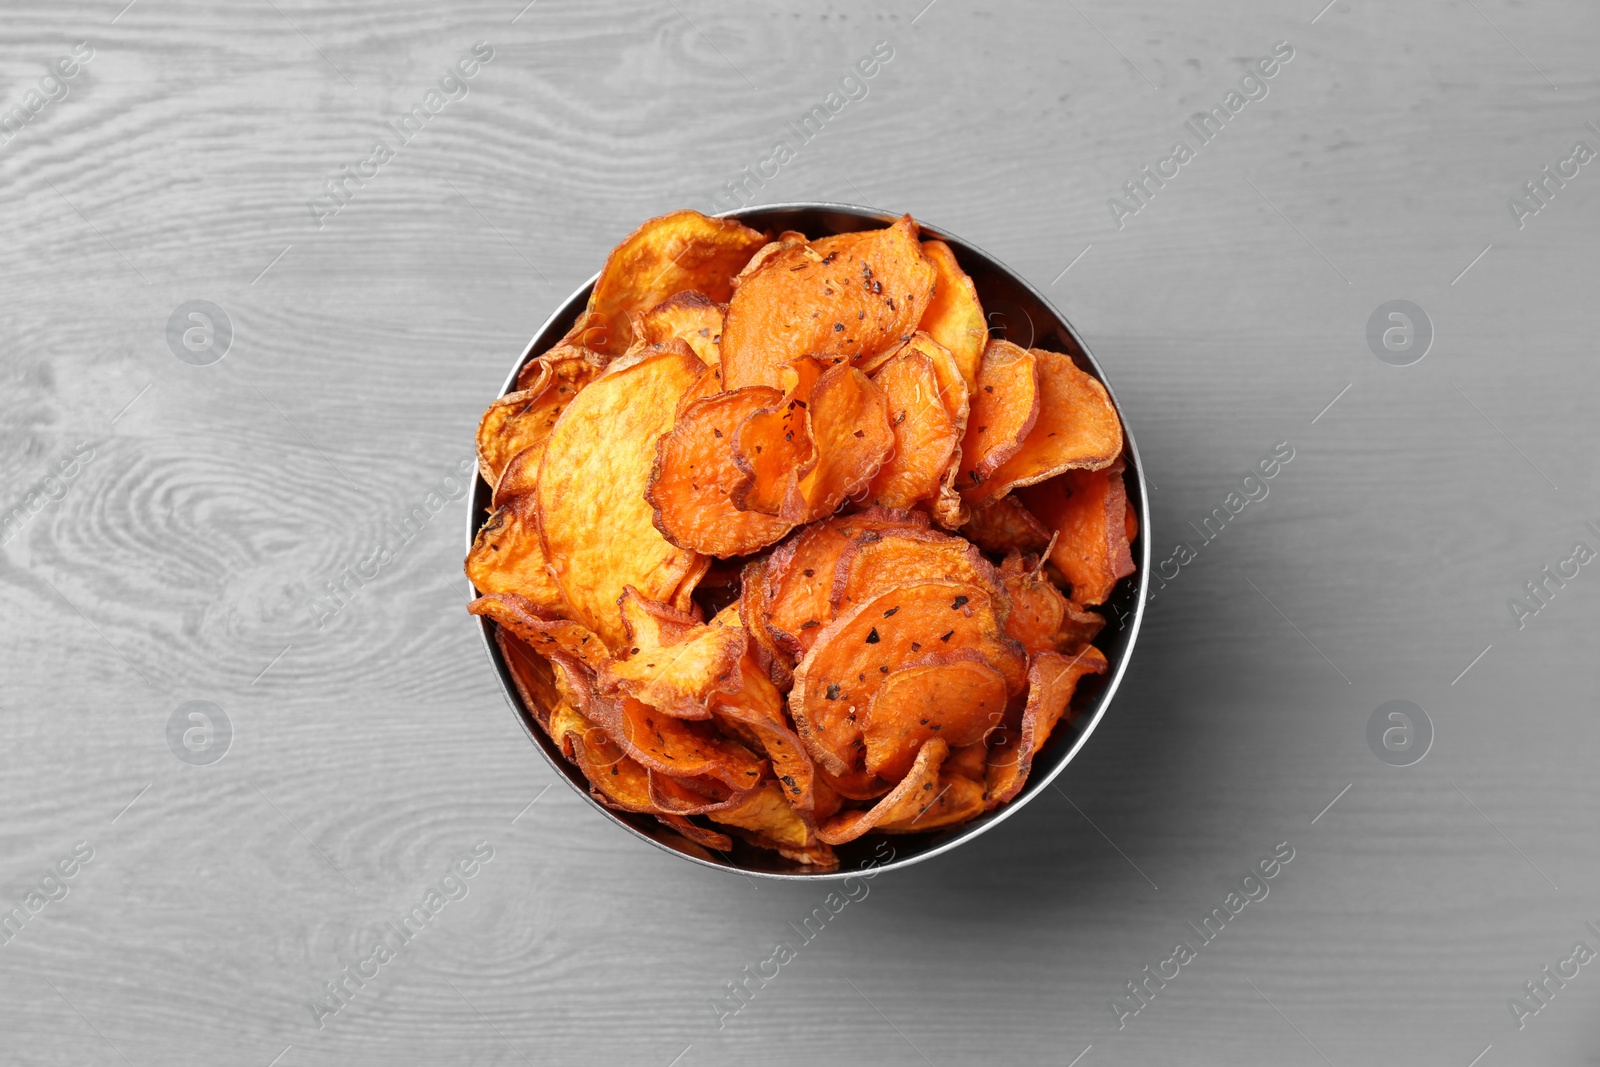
{"x":174,"y":522}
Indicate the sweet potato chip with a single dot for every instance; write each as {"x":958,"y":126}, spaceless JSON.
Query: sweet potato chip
{"x":1038,"y":610}
{"x":954,"y":317}
{"x":673,"y":746}
{"x":779,"y":666}
{"x":683,"y":250}
{"x":615,"y":780}
{"x":766,"y":812}
{"x":902,"y":804}
{"x":958,"y":799}
{"x":835,"y":682}
{"x":956,"y":696}
{"x":1078,"y":628}
{"x":1004,"y":525}
{"x":671,"y":661}
{"x":599,"y":531}
{"x":1005,"y":406}
{"x":691,"y":317}
{"x":797,"y":594}
{"x":756,"y":707}
{"x":711,"y":839}
{"x":532,"y":674}
{"x":854,"y":295}
{"x":1088,"y":511}
{"x":693,"y":478}
{"x":774,"y":448}
{"x":508,"y":556}
{"x":925,"y":436}
{"x":523,"y":420}
{"x":850,"y":786}
{"x":1077,"y":428}
{"x":786,"y":239}
{"x":691,"y":796}
{"x":969,"y":761}
{"x":850,"y":425}
{"x":541,"y":630}
{"x":1052,"y":679}
{"x":879,"y":561}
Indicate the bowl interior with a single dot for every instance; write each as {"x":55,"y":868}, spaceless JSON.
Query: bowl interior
{"x":1019,"y":314}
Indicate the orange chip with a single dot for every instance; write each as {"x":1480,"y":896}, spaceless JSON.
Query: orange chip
{"x":766,"y":812}
{"x":508,"y":556}
{"x":882,"y":560}
{"x":1038,"y":610}
{"x":1004,"y":525}
{"x":778,"y":665}
{"x":541,"y":630}
{"x":615,"y":780}
{"x":671,"y":661}
{"x":1052,"y":679}
{"x":954,"y":317}
{"x":1005,"y":406}
{"x":673,"y":746}
{"x":835,"y":682}
{"x":523,"y":420}
{"x":683,"y":250}
{"x":1078,"y":628}
{"x":774,"y":447}
{"x":955,"y":696}
{"x":786,"y":239}
{"x":757,"y":707}
{"x":925,"y":436}
{"x":694,"y":476}
{"x":1088,"y":511}
{"x":958,"y":799}
{"x":969,"y":761}
{"x":711,"y":839}
{"x":904,"y":804}
{"x":532,"y":674}
{"x":599,"y":531}
{"x":854,"y":295}
{"x":852,"y":785}
{"x":691,"y":317}
{"x":851,"y":428}
{"x":797,"y":595}
{"x":1077,"y":428}
{"x":691,"y":796}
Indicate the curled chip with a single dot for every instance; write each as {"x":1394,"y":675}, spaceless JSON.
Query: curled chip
{"x":599,"y":531}
{"x":797,"y":595}
{"x":1038,"y":610}
{"x":1077,"y":428}
{"x":694,"y":476}
{"x":665,"y":256}
{"x":672,"y":661}
{"x":1005,"y":405}
{"x":889,"y":559}
{"x":774,"y":448}
{"x":1088,"y":510}
{"x":692,"y":318}
{"x":820,"y":446}
{"x":904,"y":804}
{"x":541,"y":630}
{"x":954,"y":317}
{"x":925,"y":435}
{"x":786,"y":239}
{"x":835,"y":682}
{"x":869,"y":290}
{"x":515,"y":428}
{"x":894,"y":524}
{"x":1004,"y":525}
{"x":508,"y":556}
{"x":955,"y":696}
{"x":755,"y":711}
{"x":1052,"y":679}
{"x":532,"y":674}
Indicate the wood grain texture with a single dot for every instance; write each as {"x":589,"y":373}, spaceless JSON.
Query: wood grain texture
{"x":372,"y":747}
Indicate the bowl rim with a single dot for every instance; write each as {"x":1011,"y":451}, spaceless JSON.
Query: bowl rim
{"x":1089,"y":723}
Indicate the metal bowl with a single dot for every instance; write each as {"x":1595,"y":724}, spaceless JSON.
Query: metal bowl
{"x":1016,"y":312}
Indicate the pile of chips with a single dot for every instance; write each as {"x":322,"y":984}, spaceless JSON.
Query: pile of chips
{"x":784,"y":546}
